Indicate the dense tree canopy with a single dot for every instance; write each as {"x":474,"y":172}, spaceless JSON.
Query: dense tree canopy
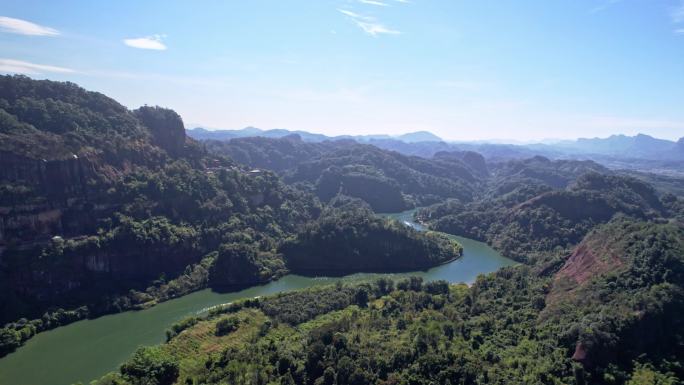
{"x":520,"y":325}
{"x":386,"y":180}
{"x":107,"y":209}
{"x":347,"y":237}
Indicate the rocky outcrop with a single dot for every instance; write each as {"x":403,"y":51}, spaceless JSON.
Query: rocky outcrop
{"x":87,"y":276}
{"x":591,"y":258}
{"x":474,"y":161}
{"x":45,"y":198}
{"x":57,"y":179}
{"x":166,"y":127}
{"x":584,"y":263}
{"x":619,"y":293}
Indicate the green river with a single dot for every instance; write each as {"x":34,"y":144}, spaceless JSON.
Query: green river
{"x":87,"y":349}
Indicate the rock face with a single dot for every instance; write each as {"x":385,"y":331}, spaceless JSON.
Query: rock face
{"x":584,"y":263}
{"x":166,"y":126}
{"x":55,"y":178}
{"x":475,"y":162}
{"x":608,"y":289}
{"x":70,"y":280}
{"x":61,"y":161}
{"x":48,"y":198}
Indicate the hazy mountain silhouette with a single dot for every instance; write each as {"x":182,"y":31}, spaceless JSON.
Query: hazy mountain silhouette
{"x":202,"y":133}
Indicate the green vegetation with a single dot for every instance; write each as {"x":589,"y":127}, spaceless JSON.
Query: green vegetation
{"x":45,"y":119}
{"x":348,"y":237}
{"x":106,"y":209}
{"x":520,"y":325}
{"x":386,"y":180}
{"x":150,"y":366}
{"x":528,"y":219}
{"x":162,"y":241}
{"x":618,"y":294}
{"x":597,"y":300}
{"x":226,"y":325}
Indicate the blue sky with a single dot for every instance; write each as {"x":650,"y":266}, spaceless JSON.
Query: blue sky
{"x":480,"y":69}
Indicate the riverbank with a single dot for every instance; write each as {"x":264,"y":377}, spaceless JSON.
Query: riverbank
{"x":197,"y":277}
{"x":87,"y":349}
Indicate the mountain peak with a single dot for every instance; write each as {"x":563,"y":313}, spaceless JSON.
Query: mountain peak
{"x":641,"y":136}
{"x":166,"y":126}
{"x":419,"y":136}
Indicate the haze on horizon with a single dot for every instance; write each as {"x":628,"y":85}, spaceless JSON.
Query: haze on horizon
{"x":466,"y":70}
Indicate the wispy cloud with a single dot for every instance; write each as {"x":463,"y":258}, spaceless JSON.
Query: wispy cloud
{"x":153,"y":42}
{"x":374,"y":2}
{"x":605,"y":4}
{"x":350,"y":14}
{"x":23,"y":27}
{"x":678,"y":13}
{"x":23,"y":67}
{"x":369,"y":24}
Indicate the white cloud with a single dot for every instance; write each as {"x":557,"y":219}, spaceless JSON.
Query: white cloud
{"x":679,"y":31}
{"x":374,"y":2}
{"x":369,"y":24}
{"x":375,"y":29}
{"x":23,"y":67}
{"x":351,"y":14}
{"x":153,"y":42}
{"x":23,"y":27}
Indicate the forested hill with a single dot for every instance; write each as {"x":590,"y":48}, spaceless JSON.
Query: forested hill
{"x":105,"y":209}
{"x":347,"y":234}
{"x":609,"y":316}
{"x":620,"y":293}
{"x":528,"y":219}
{"x":390,"y":181}
{"x":48,"y":120}
{"x":597,"y":301}
{"x":387,"y":180}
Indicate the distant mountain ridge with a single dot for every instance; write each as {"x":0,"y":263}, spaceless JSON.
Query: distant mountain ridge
{"x":637,"y":146}
{"x":426,"y":144}
{"x":200,"y":133}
